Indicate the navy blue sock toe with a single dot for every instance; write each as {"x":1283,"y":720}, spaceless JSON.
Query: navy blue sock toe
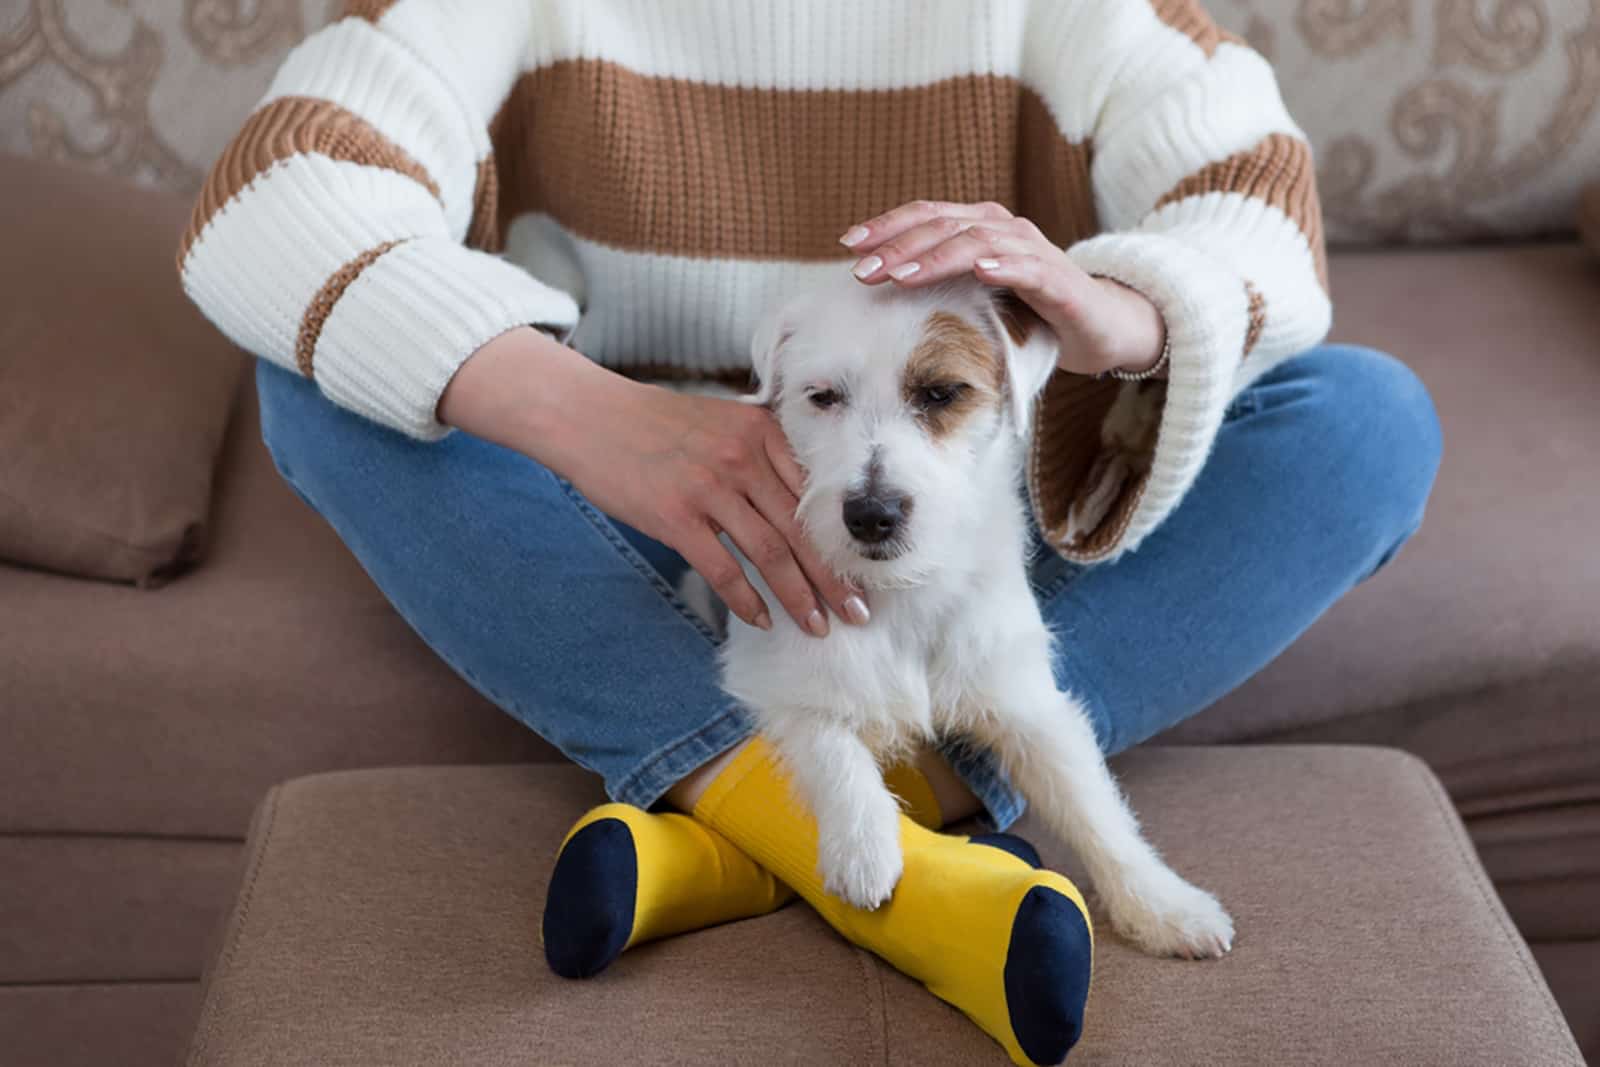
{"x":1013,"y":844}
{"x":1047,"y":975}
{"x":588,"y":914}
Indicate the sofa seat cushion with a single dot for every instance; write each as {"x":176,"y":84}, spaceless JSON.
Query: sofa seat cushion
{"x":171,"y":711}
{"x":391,"y":916}
{"x":1477,"y":648}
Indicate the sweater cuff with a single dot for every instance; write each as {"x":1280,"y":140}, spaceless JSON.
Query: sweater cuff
{"x":404,"y":325}
{"x":1093,"y":499}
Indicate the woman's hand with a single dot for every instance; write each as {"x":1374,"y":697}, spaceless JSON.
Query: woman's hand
{"x":679,"y":468}
{"x":1101,"y":324}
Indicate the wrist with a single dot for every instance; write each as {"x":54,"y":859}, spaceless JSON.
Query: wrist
{"x":526,"y":391}
{"x":1140,"y":345}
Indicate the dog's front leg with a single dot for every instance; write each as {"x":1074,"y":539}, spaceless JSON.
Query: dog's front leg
{"x":1045,"y":740}
{"x":858,"y":819}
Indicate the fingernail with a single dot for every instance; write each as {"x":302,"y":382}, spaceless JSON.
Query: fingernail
{"x":989,"y":264}
{"x":854,"y":236}
{"x":764,"y":621}
{"x":855,"y":609}
{"x":866,"y":267}
{"x":904,"y":271}
{"x":816,"y":623}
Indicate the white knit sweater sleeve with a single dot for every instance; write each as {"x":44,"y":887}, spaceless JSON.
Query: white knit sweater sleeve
{"x":1206,"y":197}
{"x":329,"y":237}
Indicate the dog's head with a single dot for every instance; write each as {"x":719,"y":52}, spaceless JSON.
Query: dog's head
{"x":905,"y":408}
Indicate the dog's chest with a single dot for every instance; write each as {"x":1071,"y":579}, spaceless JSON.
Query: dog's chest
{"x":908,"y":680}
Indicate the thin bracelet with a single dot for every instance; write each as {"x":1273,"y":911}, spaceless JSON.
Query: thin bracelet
{"x":1166,"y":348}
{"x":1149,"y":372}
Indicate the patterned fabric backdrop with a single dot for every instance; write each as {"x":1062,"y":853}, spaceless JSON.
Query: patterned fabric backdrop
{"x":1432,"y":119}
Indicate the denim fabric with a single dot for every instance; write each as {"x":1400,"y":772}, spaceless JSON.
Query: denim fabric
{"x":568,"y":621}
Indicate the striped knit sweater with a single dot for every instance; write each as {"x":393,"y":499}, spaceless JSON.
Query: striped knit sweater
{"x":645,"y":179}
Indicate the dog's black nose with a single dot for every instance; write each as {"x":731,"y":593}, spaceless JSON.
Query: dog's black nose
{"x":873,"y":518}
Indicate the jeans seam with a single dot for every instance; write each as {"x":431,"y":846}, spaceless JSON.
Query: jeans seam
{"x":1054,"y":587}
{"x":620,"y":544}
{"x":647,"y":769}
{"x":514,"y":707}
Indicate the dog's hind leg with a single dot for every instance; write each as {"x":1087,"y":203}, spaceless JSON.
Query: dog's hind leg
{"x":1047,"y":745}
{"x":858,"y":819}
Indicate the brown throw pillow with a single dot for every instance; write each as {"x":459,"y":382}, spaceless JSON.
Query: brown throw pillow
{"x":1589,"y":217}
{"x":114,"y":391}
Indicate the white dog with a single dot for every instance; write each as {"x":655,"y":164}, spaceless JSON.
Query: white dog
{"x":910,"y":412}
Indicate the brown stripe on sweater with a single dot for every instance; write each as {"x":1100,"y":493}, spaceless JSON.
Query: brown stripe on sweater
{"x":1053,"y":175}
{"x":741,"y":378}
{"x":688,"y":168}
{"x":1277,"y":170}
{"x":295,"y":125}
{"x":371,"y":10}
{"x":1066,"y":441}
{"x":484,"y":229}
{"x":321,"y":306}
{"x":1191,"y":20}
{"x":1258,"y":317}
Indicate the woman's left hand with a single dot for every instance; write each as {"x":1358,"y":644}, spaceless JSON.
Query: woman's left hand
{"x":1101,"y":324}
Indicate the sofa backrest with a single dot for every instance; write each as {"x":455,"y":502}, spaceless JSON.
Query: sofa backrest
{"x":1433,"y":120}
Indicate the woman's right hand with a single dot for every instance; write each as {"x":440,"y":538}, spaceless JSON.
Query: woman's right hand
{"x":680,"y":468}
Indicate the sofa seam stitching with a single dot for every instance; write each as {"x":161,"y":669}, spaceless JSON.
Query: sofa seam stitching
{"x":1457,"y":834}
{"x":246,"y":896}
{"x":873,"y":980}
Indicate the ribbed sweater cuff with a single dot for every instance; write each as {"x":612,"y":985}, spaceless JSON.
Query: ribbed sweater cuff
{"x":413,"y":315}
{"x":1206,"y":309}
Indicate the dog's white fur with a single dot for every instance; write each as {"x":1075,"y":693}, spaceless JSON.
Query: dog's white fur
{"x":956,"y":645}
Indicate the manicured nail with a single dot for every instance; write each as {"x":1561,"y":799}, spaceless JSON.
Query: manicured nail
{"x":855,"y":609}
{"x":764,"y":621}
{"x":816,"y":623}
{"x":989,"y":264}
{"x":854,"y":236}
{"x":866,"y":267}
{"x":904,"y":271}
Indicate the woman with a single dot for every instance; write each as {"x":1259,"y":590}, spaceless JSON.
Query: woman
{"x":656,"y":180}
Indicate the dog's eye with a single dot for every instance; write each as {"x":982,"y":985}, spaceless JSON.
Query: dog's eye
{"x":823,"y":399}
{"x":942,"y":395}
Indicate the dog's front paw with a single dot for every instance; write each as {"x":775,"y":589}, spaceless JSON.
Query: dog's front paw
{"x":860,"y":868}
{"x":1164,"y":915}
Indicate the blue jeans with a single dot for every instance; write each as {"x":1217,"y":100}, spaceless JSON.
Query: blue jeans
{"x":567,"y":619}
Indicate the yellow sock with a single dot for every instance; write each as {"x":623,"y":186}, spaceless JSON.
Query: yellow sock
{"x":625,"y":876}
{"x":1007,"y":944}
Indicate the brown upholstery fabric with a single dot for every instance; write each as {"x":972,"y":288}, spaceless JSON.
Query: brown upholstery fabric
{"x":391,"y":917}
{"x":1477,"y":647}
{"x":172,"y":712}
{"x":114,"y":392}
{"x":1571,"y":967}
{"x":129,"y":1024}
{"x":1589,"y":217}
{"x":86,"y":909}
{"x":1546,"y":865}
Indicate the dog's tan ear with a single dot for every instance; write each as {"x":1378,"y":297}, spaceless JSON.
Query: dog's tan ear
{"x":1030,"y":349}
{"x":770,"y":337}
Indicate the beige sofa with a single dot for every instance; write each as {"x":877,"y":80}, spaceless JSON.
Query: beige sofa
{"x":140,"y":728}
